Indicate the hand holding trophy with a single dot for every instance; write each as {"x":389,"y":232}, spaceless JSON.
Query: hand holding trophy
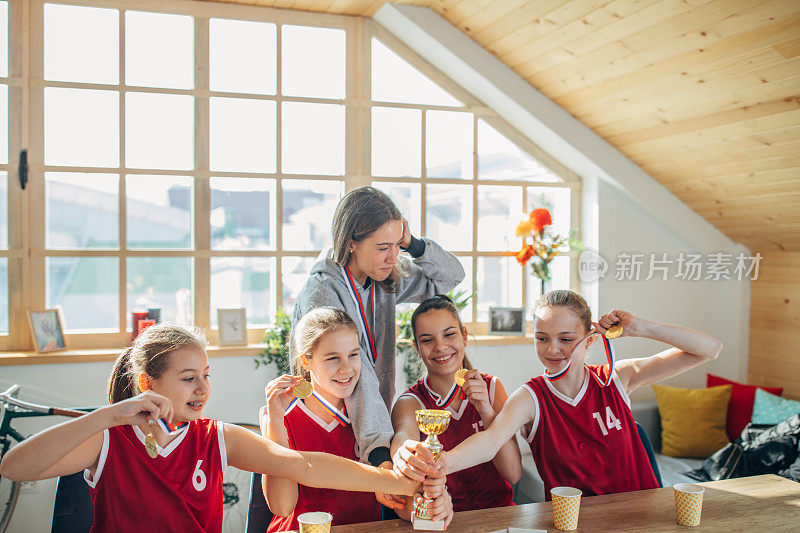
{"x":432,"y":422}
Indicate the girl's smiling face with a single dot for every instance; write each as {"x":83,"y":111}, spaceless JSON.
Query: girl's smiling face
{"x":440,"y":341}
{"x":557,"y":332}
{"x":186,"y":382}
{"x":335,"y":364}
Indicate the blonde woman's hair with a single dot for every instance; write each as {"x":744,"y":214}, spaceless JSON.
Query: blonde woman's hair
{"x":440,"y":301}
{"x":569,"y":300}
{"x":358,"y":214}
{"x":149,"y":354}
{"x":310,"y":329}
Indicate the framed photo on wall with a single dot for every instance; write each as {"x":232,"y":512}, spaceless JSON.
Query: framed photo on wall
{"x":46,"y":330}
{"x":232,"y":324}
{"x":506,"y":321}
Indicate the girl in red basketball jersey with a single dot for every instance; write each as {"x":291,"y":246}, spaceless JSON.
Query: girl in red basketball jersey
{"x":440,"y":338}
{"x":582,"y":434}
{"x":326,"y":349}
{"x":165,"y":375}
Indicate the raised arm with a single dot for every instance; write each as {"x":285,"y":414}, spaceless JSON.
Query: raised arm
{"x":75,"y":445}
{"x":281,"y":493}
{"x":433,"y":271}
{"x":690,"y":349}
{"x":251,"y":452}
{"x":508,"y":460}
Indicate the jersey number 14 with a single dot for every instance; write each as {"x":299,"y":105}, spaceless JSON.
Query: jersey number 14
{"x":611,"y":421}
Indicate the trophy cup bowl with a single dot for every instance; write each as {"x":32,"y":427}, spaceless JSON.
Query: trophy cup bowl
{"x":432,"y":422}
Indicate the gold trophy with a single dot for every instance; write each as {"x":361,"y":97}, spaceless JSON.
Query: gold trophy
{"x":432,"y":422}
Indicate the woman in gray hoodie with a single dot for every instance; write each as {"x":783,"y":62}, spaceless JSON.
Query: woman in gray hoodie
{"x":363,"y":274}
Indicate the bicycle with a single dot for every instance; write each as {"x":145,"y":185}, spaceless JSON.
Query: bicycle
{"x":235,"y":486}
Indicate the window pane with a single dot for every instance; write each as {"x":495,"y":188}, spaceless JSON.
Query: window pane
{"x":313,"y":62}
{"x":3,"y":39}
{"x":159,"y":131}
{"x":81,"y":127}
{"x":407,"y":198}
{"x":4,"y":112}
{"x":396,"y":139}
{"x":313,"y":138}
{"x":243,"y":282}
{"x":242,"y":214}
{"x":82,"y":210}
{"x":242,"y":56}
{"x":499,"y":210}
{"x":449,"y":144}
{"x":81,"y":44}
{"x":163,"y":282}
{"x":499,"y":284}
{"x":242,"y":135}
{"x":294,"y":273}
{"x":394,"y":80}
{"x":3,"y":295}
{"x":559,"y":272}
{"x":500,"y":159}
{"x":466,"y":285}
{"x":159,"y":211}
{"x":159,"y":50}
{"x":3,"y":210}
{"x":554,"y":199}
{"x":86,"y":289}
{"x":308,"y":208}
{"x":449,"y":216}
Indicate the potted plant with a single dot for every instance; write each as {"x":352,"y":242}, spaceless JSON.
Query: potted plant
{"x":276,"y":338}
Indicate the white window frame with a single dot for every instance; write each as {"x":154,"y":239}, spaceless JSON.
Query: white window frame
{"x":26,"y":254}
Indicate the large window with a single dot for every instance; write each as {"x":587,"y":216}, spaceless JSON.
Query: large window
{"x":191,"y":159}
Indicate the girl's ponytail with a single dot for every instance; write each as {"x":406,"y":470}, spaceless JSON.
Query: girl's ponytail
{"x":121,"y":381}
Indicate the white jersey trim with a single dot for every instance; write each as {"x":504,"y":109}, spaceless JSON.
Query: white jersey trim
{"x":492,"y":387}
{"x":412,"y":395}
{"x":321,"y":423}
{"x":101,"y":462}
{"x":536,"y":416}
{"x":223,"y":450}
{"x":618,"y":383}
{"x":164,"y":452}
{"x":566,"y":399}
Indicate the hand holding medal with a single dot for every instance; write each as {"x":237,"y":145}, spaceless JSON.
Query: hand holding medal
{"x":282,"y":390}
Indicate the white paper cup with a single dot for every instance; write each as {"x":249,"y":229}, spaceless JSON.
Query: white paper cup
{"x":566,"y":507}
{"x":688,"y":503}
{"x":316,"y":522}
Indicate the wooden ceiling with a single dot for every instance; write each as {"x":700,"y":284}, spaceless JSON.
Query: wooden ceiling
{"x":704,"y":95}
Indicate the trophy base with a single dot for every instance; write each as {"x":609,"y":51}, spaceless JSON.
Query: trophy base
{"x":421,"y":524}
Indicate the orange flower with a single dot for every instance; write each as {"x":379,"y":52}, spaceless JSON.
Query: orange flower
{"x":524,"y":228}
{"x":540,"y":218}
{"x":524,"y":254}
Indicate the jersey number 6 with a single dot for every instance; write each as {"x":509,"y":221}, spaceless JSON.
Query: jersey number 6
{"x":198,"y":477}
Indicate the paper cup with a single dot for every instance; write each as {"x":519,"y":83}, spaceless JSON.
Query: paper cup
{"x":566,"y":506}
{"x":316,"y":522}
{"x":688,"y":503}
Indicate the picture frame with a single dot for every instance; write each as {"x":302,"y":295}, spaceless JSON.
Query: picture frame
{"x":232,"y":327}
{"x":47,"y":330}
{"x":507,"y":321}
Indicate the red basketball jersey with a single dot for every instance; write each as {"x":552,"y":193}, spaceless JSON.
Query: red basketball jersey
{"x":481,"y":486}
{"x":309,"y":433}
{"x":589,"y":442}
{"x":179,"y":490}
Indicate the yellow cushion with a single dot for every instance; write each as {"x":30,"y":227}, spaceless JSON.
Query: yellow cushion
{"x":693,"y":420}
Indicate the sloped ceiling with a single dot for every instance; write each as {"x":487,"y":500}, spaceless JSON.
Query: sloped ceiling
{"x":704,"y":95}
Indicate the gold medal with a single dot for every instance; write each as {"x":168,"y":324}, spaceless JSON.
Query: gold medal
{"x":459,"y":377}
{"x":150,"y":443}
{"x":614,"y":331}
{"x":302,"y":390}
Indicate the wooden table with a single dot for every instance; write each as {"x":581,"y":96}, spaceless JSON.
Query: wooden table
{"x":758,"y":503}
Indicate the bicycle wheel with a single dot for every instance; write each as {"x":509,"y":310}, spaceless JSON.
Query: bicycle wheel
{"x":9,"y":494}
{"x":236,"y":494}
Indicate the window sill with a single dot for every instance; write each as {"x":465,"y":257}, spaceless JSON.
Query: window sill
{"x":95,"y":355}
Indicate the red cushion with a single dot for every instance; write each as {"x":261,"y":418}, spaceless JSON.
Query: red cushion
{"x":740,"y":407}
